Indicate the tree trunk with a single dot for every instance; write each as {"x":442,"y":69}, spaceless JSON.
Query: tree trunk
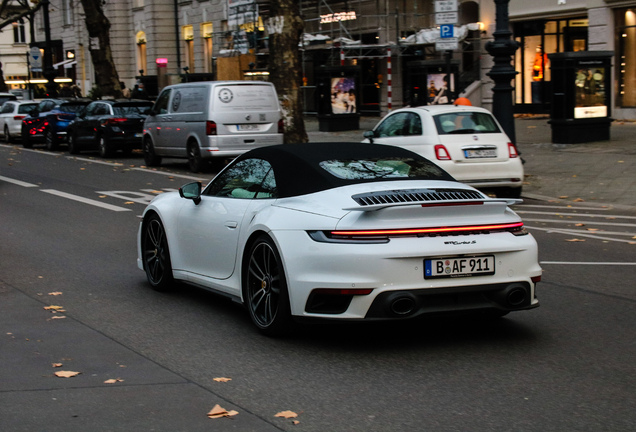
{"x":98,"y":26}
{"x":285,"y":28}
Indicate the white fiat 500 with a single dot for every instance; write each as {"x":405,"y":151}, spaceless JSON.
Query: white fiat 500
{"x":341,"y":231}
{"x":466,"y":141}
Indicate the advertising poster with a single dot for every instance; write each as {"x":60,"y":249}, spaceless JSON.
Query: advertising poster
{"x":438,"y":90}
{"x":343,"y":95}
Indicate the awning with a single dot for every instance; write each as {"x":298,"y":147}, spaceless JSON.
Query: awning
{"x":69,"y":62}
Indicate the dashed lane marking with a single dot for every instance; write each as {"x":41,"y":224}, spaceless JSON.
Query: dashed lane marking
{"x":567,"y":232}
{"x":31,"y":150}
{"x":117,"y":164}
{"x":588,"y":263}
{"x":170,"y":174}
{"x":85,"y":200}
{"x":17,"y":182}
{"x":560,"y":207}
{"x":605,"y":216}
{"x":574,"y":221}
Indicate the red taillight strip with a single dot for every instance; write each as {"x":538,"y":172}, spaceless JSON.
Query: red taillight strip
{"x":430,"y":230}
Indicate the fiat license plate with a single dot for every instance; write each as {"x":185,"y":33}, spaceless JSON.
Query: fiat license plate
{"x":247,"y":127}
{"x":482,"y":153}
{"x":459,"y":267}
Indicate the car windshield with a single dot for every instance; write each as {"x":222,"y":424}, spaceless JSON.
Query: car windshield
{"x":465,"y":123}
{"x":131,"y":109}
{"x":71,"y":108}
{"x":383,"y":168}
{"x":26,"y":108}
{"x":3,"y":99}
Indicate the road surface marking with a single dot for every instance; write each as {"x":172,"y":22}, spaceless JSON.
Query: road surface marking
{"x":574,"y":221}
{"x":116,"y":164}
{"x":170,"y":174}
{"x":31,"y":150}
{"x":17,"y":182}
{"x":566,"y":232}
{"x":588,"y":263}
{"x":137,"y":197}
{"x":578,"y":214}
{"x":561,"y":207}
{"x":85,"y":200}
{"x":577,"y":231}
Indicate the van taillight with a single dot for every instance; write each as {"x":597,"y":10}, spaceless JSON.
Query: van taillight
{"x":210,"y":128}
{"x":512,"y":151}
{"x":281,"y":126}
{"x":441,"y":153}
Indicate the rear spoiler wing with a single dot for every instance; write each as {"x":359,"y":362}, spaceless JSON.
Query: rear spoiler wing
{"x":375,"y":207}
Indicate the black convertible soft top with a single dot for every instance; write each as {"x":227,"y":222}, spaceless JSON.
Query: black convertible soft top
{"x":298,"y":172}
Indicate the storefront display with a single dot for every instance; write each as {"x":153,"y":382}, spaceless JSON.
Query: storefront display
{"x":626,"y":38}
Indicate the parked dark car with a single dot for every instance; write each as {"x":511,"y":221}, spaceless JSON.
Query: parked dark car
{"x":49,"y":121}
{"x":109,"y":125}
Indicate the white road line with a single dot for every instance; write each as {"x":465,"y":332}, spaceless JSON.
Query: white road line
{"x":603,"y":232}
{"x":588,"y":263}
{"x":577,"y":214}
{"x":85,"y":200}
{"x":117,"y":164}
{"x":170,"y":174}
{"x":32,"y":150}
{"x":574,"y":221}
{"x":17,"y":182}
{"x":560,"y":207}
{"x":566,"y":232}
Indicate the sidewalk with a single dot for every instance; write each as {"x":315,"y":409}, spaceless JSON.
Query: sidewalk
{"x":600,"y":173}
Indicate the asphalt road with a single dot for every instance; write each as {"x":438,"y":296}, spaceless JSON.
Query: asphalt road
{"x":68,"y":225}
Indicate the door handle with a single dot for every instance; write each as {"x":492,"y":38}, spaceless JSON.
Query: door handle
{"x":231,"y":224}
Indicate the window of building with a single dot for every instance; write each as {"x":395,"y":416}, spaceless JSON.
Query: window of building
{"x":206,"y":34}
{"x":140,"y":39}
{"x":19,"y":32}
{"x":67,"y":12}
{"x":626,"y":62}
{"x":188,"y":37}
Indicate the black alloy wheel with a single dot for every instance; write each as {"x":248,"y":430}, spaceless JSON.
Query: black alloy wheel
{"x":7,"y":135}
{"x":50,"y":139}
{"x":73,"y":146}
{"x":156,"y":255}
{"x":150,"y":157}
{"x":195,"y":161}
{"x":265,"y":288}
{"x":105,"y":147}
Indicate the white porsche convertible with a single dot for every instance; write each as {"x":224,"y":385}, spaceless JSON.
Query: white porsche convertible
{"x":346,"y":231}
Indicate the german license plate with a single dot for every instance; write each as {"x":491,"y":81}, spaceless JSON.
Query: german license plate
{"x":247,"y":127}
{"x":482,"y":153}
{"x":138,"y":135}
{"x":459,"y":267}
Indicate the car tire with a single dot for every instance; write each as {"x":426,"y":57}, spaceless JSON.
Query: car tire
{"x":7,"y":135}
{"x":105,"y":147}
{"x":51,"y":140}
{"x":156,"y":255}
{"x":265,"y":292}
{"x":195,"y":162}
{"x":150,"y":157}
{"x":508,"y":192}
{"x":73,"y":146}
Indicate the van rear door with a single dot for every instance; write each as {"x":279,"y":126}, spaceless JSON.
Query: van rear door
{"x":246,"y":115}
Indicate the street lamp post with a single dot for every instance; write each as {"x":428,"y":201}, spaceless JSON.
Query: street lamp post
{"x":502,"y":72}
{"x":49,"y":73}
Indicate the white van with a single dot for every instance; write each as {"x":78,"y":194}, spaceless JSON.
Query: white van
{"x":214,"y":120}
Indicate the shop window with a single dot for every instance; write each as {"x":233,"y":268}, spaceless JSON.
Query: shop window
{"x":140,"y":39}
{"x":188,"y":37}
{"x":626,"y":61}
{"x":206,"y":34}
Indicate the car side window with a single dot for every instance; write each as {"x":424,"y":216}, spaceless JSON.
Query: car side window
{"x":90,"y":109}
{"x":244,"y":180}
{"x":7,"y":108}
{"x":49,"y":106}
{"x":161,"y":106}
{"x":41,"y":106}
{"x":414,"y":124}
{"x":394,"y":125}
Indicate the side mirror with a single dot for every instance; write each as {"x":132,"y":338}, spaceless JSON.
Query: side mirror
{"x":191,"y":191}
{"x":370,"y":135}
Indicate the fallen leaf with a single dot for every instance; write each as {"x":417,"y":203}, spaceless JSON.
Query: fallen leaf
{"x":170,"y":177}
{"x":610,"y":218}
{"x":563,"y":196}
{"x":66,"y":374}
{"x":578,"y":200}
{"x":122,"y":365}
{"x":593,"y":229}
{"x":574,"y":175}
{"x":574,"y":240}
{"x":222,"y":379}
{"x":113,"y":381}
{"x":531,"y":127}
{"x":9,"y":333}
{"x":634,"y":237}
{"x":103,"y":196}
{"x":579,"y":224}
{"x":129,"y":202}
{"x":53,"y":307}
{"x":82,"y":169}
{"x":631,"y":242}
{"x":40,"y":277}
{"x":58,"y":317}
{"x":56,"y":364}
{"x":286,"y":414}
{"x":55,"y":293}
{"x":621,"y":161}
{"x":218,"y":412}
{"x":295,"y":422}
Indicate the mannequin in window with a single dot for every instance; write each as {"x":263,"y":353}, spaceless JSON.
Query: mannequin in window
{"x":540,"y":60}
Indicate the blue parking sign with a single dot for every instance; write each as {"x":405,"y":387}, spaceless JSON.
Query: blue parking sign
{"x":446,"y":31}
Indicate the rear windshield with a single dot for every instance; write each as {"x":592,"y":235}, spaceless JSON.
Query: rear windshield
{"x":384,"y":168}
{"x":26,"y":108}
{"x":131,"y":109}
{"x":238,"y":98}
{"x":465,"y":123}
{"x":3,"y":99}
{"x":71,"y":108}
